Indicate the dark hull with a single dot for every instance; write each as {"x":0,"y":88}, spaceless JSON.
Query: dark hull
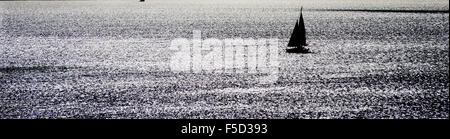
{"x":301,"y":50}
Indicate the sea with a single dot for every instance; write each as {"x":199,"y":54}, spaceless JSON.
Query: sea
{"x":371,"y":59}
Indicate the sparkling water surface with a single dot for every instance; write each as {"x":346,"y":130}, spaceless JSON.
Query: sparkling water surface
{"x":102,"y":59}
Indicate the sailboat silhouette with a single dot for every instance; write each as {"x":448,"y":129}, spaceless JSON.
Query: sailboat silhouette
{"x":298,"y":37}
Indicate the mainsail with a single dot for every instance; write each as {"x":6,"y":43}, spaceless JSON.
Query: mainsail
{"x":298,"y":37}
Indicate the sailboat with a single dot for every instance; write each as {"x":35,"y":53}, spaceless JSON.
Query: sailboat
{"x":298,"y":37}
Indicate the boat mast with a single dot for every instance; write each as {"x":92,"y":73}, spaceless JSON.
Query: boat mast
{"x":302,"y":32}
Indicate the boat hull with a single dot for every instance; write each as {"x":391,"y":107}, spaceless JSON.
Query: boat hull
{"x":301,"y":50}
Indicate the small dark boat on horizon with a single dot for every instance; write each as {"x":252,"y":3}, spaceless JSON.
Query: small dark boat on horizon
{"x":298,"y":37}
{"x":141,"y":0}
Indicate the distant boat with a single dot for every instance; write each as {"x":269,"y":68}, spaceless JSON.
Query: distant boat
{"x":141,"y":0}
{"x":298,"y":37}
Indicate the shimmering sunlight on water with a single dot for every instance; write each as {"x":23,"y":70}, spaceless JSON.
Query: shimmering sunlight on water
{"x":97,"y":59}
